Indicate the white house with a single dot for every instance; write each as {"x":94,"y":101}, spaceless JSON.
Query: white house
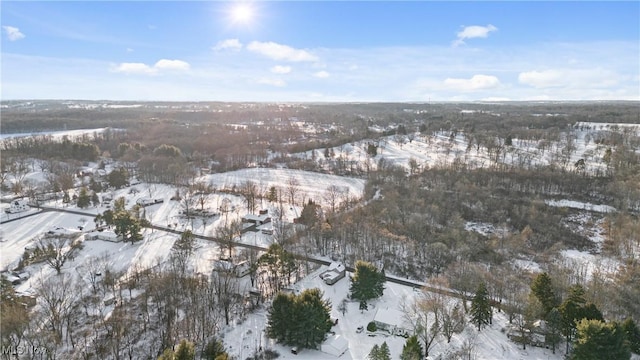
{"x":335,"y":272}
{"x":392,"y":320}
{"x":335,"y":345}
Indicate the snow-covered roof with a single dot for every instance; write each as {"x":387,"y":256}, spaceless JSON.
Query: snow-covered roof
{"x":335,"y":345}
{"x":256,"y":218}
{"x":391,"y":317}
{"x":337,"y":266}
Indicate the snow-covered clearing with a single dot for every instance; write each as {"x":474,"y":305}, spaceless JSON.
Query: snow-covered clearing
{"x":581,"y":205}
{"x":309,"y":185}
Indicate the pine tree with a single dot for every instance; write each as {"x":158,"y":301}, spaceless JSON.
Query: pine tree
{"x":302,"y":320}
{"x":313,"y":318}
{"x":280,"y":322}
{"x":367,"y":282}
{"x":412,"y":349}
{"x":542,"y":288}
{"x":596,"y":340}
{"x":374,"y":354}
{"x":571,"y":312}
{"x":554,"y":328}
{"x":385,"y":353}
{"x":84,"y":200}
{"x":481,"y":312}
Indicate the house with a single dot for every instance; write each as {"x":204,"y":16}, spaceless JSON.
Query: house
{"x":251,"y":222}
{"x":243,"y":268}
{"x":335,"y":345}
{"x":392,"y":320}
{"x":257,"y":220}
{"x":332,"y":275}
{"x":106,"y":235}
{"x":148,"y":201}
{"x":240,"y":269}
{"x":18,"y":205}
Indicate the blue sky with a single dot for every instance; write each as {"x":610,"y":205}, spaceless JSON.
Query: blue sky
{"x":320,"y":50}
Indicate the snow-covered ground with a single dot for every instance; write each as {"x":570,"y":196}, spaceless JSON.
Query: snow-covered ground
{"x":242,"y":340}
{"x":490,"y":343}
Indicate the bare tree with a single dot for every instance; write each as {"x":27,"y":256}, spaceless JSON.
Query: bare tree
{"x":332,"y":195}
{"x":56,"y":250}
{"x":227,"y":235}
{"x":57,"y":295}
{"x":226,"y":287}
{"x":293,"y":189}
{"x":250,"y":191}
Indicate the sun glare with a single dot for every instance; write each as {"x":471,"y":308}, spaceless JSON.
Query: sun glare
{"x":242,"y":13}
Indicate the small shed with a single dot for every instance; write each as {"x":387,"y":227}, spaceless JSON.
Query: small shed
{"x":335,"y":345}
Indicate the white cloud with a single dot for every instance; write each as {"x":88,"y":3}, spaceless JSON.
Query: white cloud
{"x":321,"y":74}
{"x":13,"y":33}
{"x":134,"y":68}
{"x":144,"y":69}
{"x":165,"y":64}
{"x":272,"y":82}
{"x":477,"y":82}
{"x":129,"y":50}
{"x":474,"y":31}
{"x":277,"y":51}
{"x":232,"y":44}
{"x":279,"y":69}
{"x":541,"y":79}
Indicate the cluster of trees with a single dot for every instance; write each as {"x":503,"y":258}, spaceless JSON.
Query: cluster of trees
{"x":579,"y":321}
{"x":302,"y":320}
{"x":127,"y":224}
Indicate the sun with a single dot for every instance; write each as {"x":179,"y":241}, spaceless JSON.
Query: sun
{"x":241,"y":13}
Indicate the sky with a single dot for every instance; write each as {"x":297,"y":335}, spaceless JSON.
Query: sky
{"x":320,"y":51}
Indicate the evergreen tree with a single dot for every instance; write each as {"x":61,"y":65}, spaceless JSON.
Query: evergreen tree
{"x":632,"y":335}
{"x":66,"y":198}
{"x":213,"y":350}
{"x":596,"y":340}
{"x":481,"y":312}
{"x":412,"y":349}
{"x":367,"y":282}
{"x":280,"y":321}
{"x":126,"y":226}
{"x":301,"y":320}
{"x":95,"y":199}
{"x":313,"y":319}
{"x":310,"y":214}
{"x":118,"y":178}
{"x":374,"y":354}
{"x":84,"y":200}
{"x":185,"y":351}
{"x":385,"y":353}
{"x":542,"y":288}
{"x":574,"y":309}
{"x":372,"y":150}
{"x":554,"y":328}
{"x":272,"y":195}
